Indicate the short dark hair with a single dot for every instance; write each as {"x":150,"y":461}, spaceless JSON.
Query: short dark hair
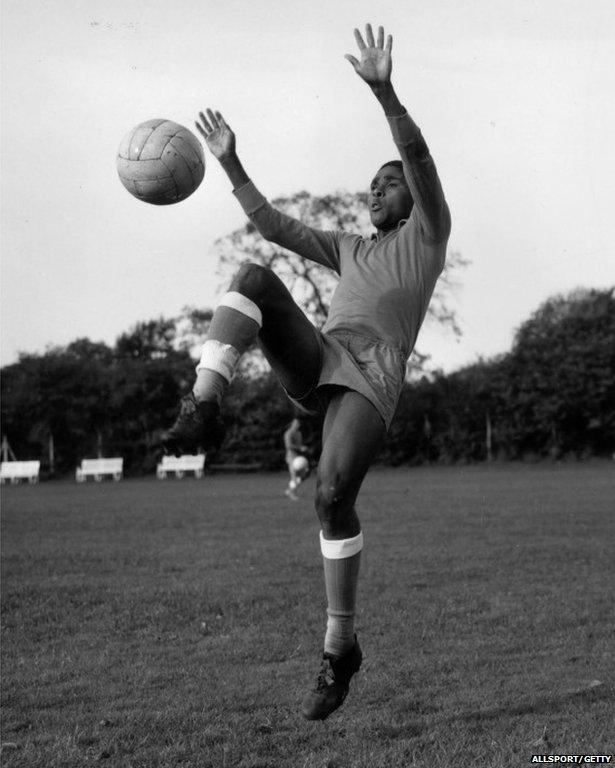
{"x":397,"y":163}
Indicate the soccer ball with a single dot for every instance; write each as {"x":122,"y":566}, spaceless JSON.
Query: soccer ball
{"x":301,"y":466}
{"x":160,"y":162}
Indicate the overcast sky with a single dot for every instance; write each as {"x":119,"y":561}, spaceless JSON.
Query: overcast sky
{"x":515,"y":101}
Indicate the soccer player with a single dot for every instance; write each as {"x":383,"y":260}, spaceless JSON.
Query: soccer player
{"x":353,"y":368}
{"x":293,"y":445}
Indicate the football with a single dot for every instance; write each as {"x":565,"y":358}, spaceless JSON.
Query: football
{"x":160,"y":162}
{"x":301,"y":466}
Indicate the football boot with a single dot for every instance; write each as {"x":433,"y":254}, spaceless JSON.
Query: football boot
{"x":332,"y":683}
{"x":198,"y":425}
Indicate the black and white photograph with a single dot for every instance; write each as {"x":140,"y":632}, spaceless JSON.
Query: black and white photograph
{"x":307,"y":365}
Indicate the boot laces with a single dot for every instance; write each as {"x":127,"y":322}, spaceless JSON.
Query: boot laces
{"x":326,"y":676}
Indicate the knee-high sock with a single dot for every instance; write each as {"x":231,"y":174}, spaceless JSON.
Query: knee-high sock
{"x":234,"y":326}
{"x":341,"y":561}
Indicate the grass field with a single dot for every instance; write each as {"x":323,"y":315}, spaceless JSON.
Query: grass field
{"x":178,"y":623}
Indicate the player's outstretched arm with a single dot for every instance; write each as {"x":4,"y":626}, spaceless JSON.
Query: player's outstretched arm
{"x":220,"y":141}
{"x":374,"y":66}
{"x":311,"y":243}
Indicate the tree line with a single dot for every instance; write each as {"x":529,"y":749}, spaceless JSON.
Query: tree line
{"x":552,"y":395}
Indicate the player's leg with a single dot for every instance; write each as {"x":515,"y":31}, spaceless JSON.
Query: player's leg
{"x":259,"y":305}
{"x":292,"y":477}
{"x":352,"y":435}
{"x":353,"y":432}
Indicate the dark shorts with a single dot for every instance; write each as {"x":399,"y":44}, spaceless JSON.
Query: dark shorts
{"x":374,"y":369}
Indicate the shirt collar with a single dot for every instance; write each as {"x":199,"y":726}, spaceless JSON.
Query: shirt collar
{"x":374,"y":235}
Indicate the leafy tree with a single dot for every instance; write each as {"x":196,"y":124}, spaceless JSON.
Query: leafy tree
{"x":94,"y":400}
{"x":562,"y":369}
{"x":417,"y":419}
{"x":470,"y":412}
{"x":154,"y":338}
{"x":143,"y":402}
{"x":62,"y":394}
{"x":554,"y":393}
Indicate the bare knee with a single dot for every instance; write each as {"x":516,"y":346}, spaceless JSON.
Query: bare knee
{"x":335,"y":505}
{"x":253,"y":281}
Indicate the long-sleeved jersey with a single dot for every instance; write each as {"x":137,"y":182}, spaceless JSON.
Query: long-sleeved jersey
{"x":386,"y":281}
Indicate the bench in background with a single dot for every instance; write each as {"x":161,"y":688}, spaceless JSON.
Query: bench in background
{"x":20,"y":470}
{"x":98,"y":468}
{"x":180,"y":465}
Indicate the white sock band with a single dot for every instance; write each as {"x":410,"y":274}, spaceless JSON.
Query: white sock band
{"x":219,"y":357}
{"x":338,"y":549}
{"x":242,"y":304}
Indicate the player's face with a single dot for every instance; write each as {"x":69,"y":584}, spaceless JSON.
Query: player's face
{"x":389,"y":198}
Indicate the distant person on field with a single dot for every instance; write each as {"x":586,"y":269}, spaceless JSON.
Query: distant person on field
{"x":352,"y":370}
{"x":293,"y":445}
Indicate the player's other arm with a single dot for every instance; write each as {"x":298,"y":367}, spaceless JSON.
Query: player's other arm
{"x":374,"y":67}
{"x":314,"y":244}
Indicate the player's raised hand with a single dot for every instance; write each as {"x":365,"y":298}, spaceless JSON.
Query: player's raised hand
{"x":375,"y":63}
{"x":218,"y":136}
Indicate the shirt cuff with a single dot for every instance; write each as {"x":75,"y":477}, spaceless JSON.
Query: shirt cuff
{"x":404,"y":129}
{"x":249,"y":198}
